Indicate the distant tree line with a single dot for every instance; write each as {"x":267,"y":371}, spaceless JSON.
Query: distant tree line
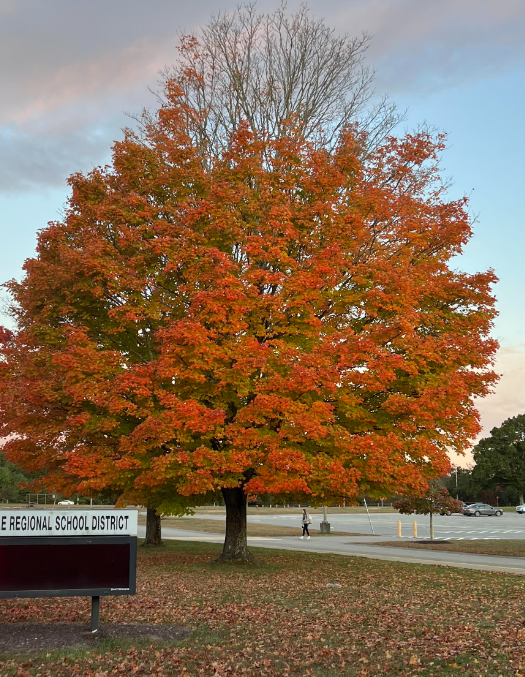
{"x":498,"y":477}
{"x":470,"y":489}
{"x":10,"y":478}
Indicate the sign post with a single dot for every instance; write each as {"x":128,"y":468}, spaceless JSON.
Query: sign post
{"x":66,"y":553}
{"x":95,"y":613}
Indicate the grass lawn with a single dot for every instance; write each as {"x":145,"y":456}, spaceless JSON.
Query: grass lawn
{"x":255,"y":530}
{"x":505,"y":548}
{"x":387,"y":618}
{"x":280,"y":510}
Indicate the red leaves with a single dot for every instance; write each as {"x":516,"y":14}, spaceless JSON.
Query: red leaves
{"x":286,"y":314}
{"x":281,"y":619}
{"x":433,"y":499}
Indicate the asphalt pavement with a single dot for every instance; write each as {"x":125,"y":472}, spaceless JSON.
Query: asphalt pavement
{"x":458,"y":527}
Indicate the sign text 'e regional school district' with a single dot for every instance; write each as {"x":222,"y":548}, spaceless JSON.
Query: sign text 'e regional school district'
{"x":68,"y":522}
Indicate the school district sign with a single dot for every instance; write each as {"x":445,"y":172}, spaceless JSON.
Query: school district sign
{"x":68,"y":522}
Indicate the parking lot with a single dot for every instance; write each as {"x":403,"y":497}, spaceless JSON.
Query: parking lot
{"x":509,"y":525}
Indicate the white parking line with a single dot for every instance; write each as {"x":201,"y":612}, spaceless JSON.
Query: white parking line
{"x":485,"y":538}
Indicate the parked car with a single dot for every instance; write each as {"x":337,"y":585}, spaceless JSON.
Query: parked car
{"x":520,"y":509}
{"x":478,"y":509}
{"x":66,"y":502}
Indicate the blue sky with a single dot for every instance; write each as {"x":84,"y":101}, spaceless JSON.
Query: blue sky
{"x":70,"y":71}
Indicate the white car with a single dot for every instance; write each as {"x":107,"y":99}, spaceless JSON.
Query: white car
{"x":66,"y":502}
{"x":520,"y":509}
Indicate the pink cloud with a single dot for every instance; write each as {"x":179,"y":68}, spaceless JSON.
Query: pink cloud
{"x":88,"y":87}
{"x":509,"y":396}
{"x":507,"y":400}
{"x":414,"y":41}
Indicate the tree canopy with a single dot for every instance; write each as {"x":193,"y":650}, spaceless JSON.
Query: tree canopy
{"x":500,"y":458}
{"x":434,"y":500}
{"x":253,"y":68}
{"x":10,"y":479}
{"x":279,"y":317}
{"x":285,"y":321}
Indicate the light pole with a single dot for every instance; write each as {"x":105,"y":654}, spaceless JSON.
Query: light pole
{"x":324,"y":527}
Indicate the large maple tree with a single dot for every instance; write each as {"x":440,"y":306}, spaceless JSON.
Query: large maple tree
{"x":281,"y":320}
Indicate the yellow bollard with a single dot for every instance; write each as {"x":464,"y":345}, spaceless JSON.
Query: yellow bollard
{"x":399,"y":529}
{"x":415,"y":529}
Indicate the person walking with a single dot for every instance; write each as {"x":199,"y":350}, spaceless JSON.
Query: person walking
{"x":306,"y":520}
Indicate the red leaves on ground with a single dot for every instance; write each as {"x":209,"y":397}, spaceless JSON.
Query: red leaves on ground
{"x":281,"y":619}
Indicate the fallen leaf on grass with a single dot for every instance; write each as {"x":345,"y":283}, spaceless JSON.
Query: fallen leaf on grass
{"x":389,"y":611}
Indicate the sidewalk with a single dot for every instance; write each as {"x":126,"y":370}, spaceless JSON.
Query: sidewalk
{"x":358,"y":546}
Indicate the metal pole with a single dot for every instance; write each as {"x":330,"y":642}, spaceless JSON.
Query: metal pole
{"x":371,"y":527}
{"x":324,"y":514}
{"x":95,"y":614}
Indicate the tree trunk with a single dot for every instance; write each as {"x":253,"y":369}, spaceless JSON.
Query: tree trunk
{"x":235,"y":543}
{"x":431,"y":526}
{"x":153,"y":529}
{"x":521,"y":497}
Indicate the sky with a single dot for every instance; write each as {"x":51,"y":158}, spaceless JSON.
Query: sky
{"x":72,"y":71}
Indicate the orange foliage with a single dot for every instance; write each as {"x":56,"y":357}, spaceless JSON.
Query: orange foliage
{"x":285,"y":318}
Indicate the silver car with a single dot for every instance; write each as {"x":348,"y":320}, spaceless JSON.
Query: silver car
{"x":478,"y":509}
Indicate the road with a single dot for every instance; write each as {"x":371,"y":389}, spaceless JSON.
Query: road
{"x":458,"y":527}
{"x":350,"y":546}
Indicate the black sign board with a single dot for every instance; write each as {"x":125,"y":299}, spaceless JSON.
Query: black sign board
{"x":63,"y":566}
{"x":57,"y":553}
